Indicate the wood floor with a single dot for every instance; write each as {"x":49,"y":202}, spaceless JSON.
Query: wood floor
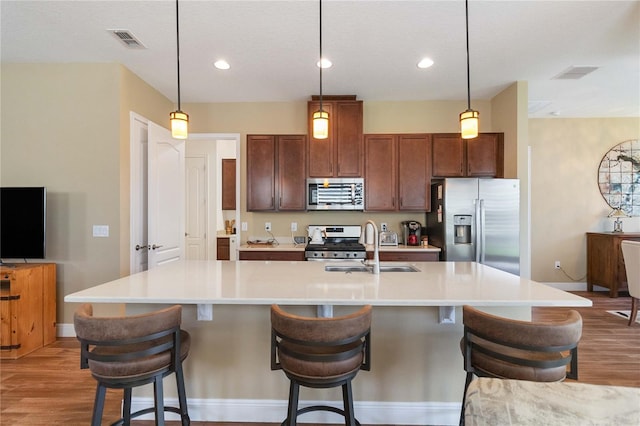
{"x":47,"y":387}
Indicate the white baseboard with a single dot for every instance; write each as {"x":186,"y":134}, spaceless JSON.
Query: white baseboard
{"x":573,"y":286}
{"x":65,"y":330}
{"x":274,"y":411}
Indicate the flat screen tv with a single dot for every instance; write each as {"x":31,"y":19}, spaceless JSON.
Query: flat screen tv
{"x":23,"y":218}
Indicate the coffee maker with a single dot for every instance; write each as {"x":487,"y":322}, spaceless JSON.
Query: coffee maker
{"x":411,"y":232}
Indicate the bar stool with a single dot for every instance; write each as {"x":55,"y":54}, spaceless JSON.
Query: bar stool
{"x":320,"y":353}
{"x":504,"y":348}
{"x":126,"y":352}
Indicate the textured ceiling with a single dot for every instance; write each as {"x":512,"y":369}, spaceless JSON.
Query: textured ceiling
{"x":272,"y":47}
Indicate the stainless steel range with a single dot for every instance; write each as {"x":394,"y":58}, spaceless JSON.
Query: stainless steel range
{"x":334,"y":242}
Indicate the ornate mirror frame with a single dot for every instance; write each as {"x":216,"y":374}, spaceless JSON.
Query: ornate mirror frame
{"x":619,"y":177}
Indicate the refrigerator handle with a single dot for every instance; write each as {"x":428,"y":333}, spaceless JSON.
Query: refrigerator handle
{"x":477,"y":241}
{"x":482,"y":233}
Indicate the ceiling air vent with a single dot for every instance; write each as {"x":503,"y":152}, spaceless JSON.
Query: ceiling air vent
{"x":574,"y":73}
{"x":127,"y":39}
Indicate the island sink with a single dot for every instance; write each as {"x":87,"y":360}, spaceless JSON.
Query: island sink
{"x":366,"y":268}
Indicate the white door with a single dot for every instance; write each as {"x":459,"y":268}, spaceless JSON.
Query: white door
{"x":139,"y":252}
{"x":165,"y":197}
{"x":196,"y":208}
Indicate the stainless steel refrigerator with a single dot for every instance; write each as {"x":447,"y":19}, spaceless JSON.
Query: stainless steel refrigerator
{"x":477,"y":220}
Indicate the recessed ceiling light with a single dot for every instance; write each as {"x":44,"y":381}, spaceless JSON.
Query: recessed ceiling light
{"x":222,"y":64}
{"x":324,"y":63}
{"x":425,"y":63}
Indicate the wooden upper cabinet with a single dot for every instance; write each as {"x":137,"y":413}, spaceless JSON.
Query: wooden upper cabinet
{"x":276,"y":171}
{"x":397,"y":172}
{"x":261,"y":172}
{"x":341,"y":154}
{"x":292,"y":172}
{"x":479,"y":157}
{"x":380,"y":173}
{"x":485,"y":155}
{"x":414,"y":172}
{"x":228,"y":184}
{"x":448,"y":155}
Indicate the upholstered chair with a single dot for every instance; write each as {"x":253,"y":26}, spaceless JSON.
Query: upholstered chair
{"x":320,"y":353}
{"x":130,"y":351}
{"x":631,"y":254}
{"x":494,"y":346}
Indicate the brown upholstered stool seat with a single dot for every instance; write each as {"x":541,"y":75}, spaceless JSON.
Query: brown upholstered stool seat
{"x":504,"y":348}
{"x":320,"y":353}
{"x":126,"y":352}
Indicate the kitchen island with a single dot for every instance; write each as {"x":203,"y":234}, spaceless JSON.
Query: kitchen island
{"x":417,"y":374}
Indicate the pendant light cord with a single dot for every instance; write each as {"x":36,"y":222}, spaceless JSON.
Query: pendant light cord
{"x":178,"y":50}
{"x":320,"y":60}
{"x":466,"y":8}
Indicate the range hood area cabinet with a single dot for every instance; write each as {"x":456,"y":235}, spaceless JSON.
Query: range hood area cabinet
{"x":398,"y":172}
{"x":479,"y":157}
{"x":341,"y":154}
{"x":276,"y":171}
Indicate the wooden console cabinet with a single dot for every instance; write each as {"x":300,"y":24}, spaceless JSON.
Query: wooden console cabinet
{"x":605,"y":263}
{"x":27,"y":308}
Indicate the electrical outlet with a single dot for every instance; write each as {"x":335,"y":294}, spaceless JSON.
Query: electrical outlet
{"x":383,"y":226}
{"x":244,"y":226}
{"x":294,"y":226}
{"x":557,"y":264}
{"x":267,"y":226}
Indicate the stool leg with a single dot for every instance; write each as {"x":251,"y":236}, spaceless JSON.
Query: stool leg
{"x":464,"y":396}
{"x":182,"y":396}
{"x":126,"y":407}
{"x":294,"y":393}
{"x":98,"y":405}
{"x":347,"y":398}
{"x":158,"y":396}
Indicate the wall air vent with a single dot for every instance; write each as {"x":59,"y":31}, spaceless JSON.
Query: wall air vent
{"x":574,"y":73}
{"x":128,"y":39}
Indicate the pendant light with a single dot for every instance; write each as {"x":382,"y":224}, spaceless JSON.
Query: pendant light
{"x":320,"y":117}
{"x":179,"y":120}
{"x":469,"y":119}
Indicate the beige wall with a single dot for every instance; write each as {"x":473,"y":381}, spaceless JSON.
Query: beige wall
{"x":565,"y":200}
{"x":68,"y":129}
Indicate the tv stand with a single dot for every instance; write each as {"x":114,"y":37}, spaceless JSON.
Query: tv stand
{"x":27,"y":308}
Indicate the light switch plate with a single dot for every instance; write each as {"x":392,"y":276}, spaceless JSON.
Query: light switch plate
{"x":100,"y":230}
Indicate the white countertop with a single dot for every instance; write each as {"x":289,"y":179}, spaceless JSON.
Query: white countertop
{"x":307,"y":283}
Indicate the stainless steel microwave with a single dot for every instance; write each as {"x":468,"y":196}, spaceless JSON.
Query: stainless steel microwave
{"x":335,"y":194}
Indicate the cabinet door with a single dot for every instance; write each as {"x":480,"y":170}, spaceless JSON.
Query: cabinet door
{"x":261,"y":172}
{"x":228,"y":184}
{"x":348,"y":138}
{"x":291,"y":172}
{"x":380,"y":173}
{"x":321,"y":151}
{"x":448,"y":155}
{"x":222,"y":249}
{"x":482,"y":156}
{"x":414,"y":172}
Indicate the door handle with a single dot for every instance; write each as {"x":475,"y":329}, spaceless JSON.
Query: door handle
{"x":139,"y":247}
{"x":153,"y":247}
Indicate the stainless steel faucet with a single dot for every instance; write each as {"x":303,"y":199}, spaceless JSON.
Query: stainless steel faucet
{"x":376,"y":248}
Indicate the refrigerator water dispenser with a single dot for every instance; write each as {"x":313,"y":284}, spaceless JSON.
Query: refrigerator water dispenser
{"x":462,"y":228}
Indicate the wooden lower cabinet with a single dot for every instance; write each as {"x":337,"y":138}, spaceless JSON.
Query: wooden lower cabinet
{"x":27,"y":308}
{"x":272,"y":255}
{"x":407,"y":256}
{"x":605,"y":263}
{"x":222,"y":249}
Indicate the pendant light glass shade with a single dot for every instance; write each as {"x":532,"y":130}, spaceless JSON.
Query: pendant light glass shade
{"x":469,"y":124}
{"x":179,"y":125}
{"x":469,"y":119}
{"x":178,"y":119}
{"x":320,"y":125}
